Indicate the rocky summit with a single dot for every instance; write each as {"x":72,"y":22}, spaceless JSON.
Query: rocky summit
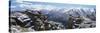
{"x":27,"y":21}
{"x":39,"y":20}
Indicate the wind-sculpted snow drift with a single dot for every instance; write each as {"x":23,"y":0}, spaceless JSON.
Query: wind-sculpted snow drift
{"x":32,"y":20}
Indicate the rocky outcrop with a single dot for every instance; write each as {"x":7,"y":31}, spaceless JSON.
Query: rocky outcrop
{"x":27,"y":21}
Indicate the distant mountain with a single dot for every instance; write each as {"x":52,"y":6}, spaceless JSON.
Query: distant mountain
{"x":62,"y":15}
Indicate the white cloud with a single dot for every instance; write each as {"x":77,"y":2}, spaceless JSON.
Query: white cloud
{"x":19,"y":1}
{"x":87,"y":2}
{"x":27,"y":5}
{"x":13,"y":6}
{"x":36,"y":6}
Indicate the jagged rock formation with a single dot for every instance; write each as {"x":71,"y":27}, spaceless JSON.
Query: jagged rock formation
{"x":28,"y":21}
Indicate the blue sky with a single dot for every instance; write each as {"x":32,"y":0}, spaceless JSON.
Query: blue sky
{"x":20,"y":4}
